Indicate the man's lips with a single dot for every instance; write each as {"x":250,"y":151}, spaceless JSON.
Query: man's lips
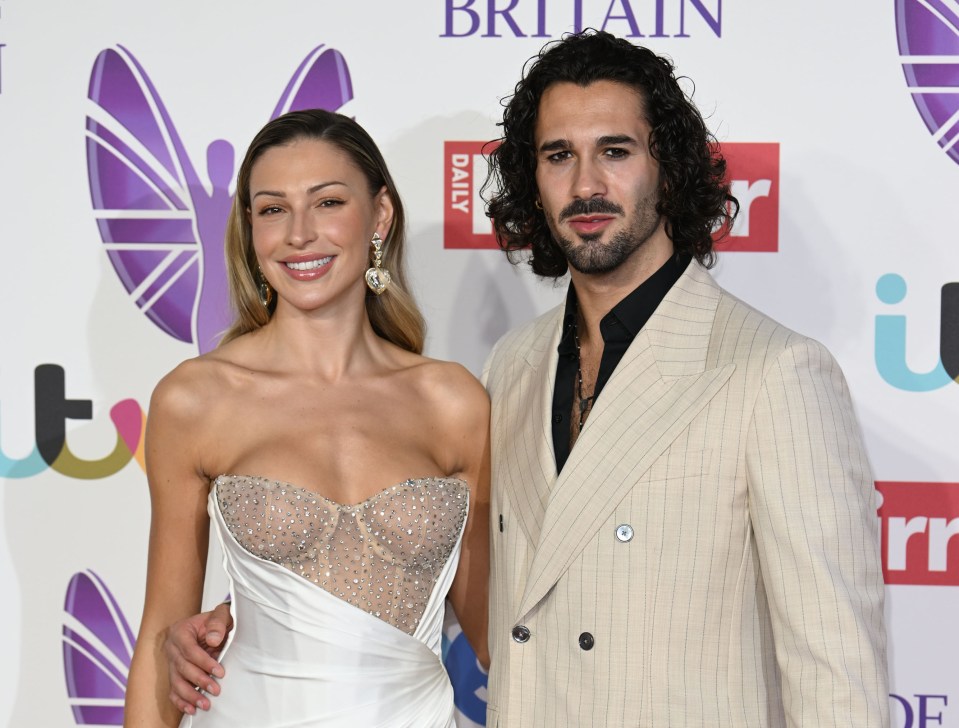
{"x":590,"y":223}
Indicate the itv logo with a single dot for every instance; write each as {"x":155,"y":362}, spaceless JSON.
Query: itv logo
{"x":890,"y":339}
{"x":52,"y":409}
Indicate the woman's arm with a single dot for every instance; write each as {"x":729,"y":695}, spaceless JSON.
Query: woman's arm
{"x":468,"y":428}
{"x":179,"y":530}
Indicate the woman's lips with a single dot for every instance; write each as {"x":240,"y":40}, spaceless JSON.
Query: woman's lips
{"x":308,"y":268}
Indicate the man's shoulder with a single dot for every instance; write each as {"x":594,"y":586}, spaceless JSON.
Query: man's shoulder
{"x":527,"y":342}
{"x":699,"y":297}
{"x":743,"y":332}
{"x":530,"y":335}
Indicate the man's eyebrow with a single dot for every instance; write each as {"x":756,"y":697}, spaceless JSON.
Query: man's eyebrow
{"x":608,"y":140}
{"x":556,"y":145}
{"x":615,"y":139}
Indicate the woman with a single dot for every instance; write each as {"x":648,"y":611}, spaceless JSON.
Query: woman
{"x":345,"y":474}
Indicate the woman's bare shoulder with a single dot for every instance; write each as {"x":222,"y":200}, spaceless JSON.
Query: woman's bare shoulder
{"x":197,"y":384}
{"x":455,"y":415}
{"x":453,"y":390}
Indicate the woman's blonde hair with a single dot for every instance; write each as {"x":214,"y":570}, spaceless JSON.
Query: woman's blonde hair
{"x":393,"y":314}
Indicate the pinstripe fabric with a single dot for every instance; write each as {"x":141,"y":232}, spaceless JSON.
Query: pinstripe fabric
{"x":751,"y":592}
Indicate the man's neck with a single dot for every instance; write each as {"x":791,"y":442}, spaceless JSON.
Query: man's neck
{"x":597,"y":294}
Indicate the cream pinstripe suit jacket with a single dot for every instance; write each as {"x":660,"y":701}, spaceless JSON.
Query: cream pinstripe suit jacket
{"x":750,"y":593}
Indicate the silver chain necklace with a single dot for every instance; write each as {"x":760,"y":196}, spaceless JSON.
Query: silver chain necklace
{"x":584,"y":402}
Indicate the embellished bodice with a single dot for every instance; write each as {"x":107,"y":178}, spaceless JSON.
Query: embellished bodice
{"x":382,"y":555}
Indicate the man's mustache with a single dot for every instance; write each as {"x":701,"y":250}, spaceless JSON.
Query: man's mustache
{"x":592,"y":206}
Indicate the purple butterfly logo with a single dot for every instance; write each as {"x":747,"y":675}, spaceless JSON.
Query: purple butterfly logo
{"x":97,"y":647}
{"x":161,"y":223}
{"x":928,"y":32}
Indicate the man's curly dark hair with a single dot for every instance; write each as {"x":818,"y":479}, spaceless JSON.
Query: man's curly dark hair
{"x":695,"y":198}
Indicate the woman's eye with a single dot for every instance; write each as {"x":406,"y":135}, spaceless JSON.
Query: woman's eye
{"x":270,"y":210}
{"x":330,"y":203}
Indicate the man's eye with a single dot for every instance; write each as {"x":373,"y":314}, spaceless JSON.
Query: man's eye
{"x":616,"y":153}
{"x":558,"y":156}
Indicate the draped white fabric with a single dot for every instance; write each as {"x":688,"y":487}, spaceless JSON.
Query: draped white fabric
{"x":300,"y":656}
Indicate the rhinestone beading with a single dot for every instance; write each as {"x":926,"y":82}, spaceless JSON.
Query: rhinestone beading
{"x":382,"y":555}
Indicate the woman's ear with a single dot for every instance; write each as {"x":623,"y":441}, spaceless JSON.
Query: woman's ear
{"x":383,"y":205}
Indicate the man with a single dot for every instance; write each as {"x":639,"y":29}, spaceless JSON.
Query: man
{"x":684,"y":527}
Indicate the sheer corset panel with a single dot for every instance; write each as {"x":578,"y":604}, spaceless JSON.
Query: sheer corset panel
{"x":382,"y":555}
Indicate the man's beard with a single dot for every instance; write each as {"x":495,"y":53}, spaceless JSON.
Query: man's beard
{"x":592,"y":257}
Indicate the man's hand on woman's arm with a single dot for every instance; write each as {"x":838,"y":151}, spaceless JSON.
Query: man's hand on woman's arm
{"x":191,"y":646}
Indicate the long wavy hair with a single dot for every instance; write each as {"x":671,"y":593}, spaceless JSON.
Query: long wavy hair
{"x":393,"y":314}
{"x":694,"y":196}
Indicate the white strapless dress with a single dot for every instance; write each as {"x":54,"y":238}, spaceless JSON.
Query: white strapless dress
{"x":338,"y":609}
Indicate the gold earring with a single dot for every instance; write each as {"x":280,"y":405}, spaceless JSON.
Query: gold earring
{"x":377,"y":278}
{"x":263,"y":289}
{"x":538,"y":205}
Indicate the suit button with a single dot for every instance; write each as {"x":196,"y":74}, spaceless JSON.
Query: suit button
{"x":520,"y":634}
{"x":586,"y":641}
{"x":624,"y":532}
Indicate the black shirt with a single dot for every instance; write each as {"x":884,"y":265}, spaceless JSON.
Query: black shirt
{"x":618,"y":328}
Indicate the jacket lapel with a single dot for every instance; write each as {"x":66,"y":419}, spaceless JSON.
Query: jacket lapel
{"x":524,"y":459}
{"x":656,"y":390}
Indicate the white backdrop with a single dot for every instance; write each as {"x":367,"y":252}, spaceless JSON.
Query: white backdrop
{"x":864,"y":192}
